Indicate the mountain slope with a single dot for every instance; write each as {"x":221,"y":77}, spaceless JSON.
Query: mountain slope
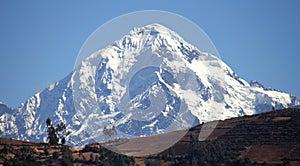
{"x":270,"y":138}
{"x":151,"y":69}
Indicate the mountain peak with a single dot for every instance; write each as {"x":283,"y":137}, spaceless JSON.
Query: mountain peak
{"x":151,"y":29}
{"x":155,"y":36}
{"x":151,"y":62}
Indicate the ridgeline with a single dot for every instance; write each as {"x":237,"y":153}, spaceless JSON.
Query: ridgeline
{"x":270,"y":138}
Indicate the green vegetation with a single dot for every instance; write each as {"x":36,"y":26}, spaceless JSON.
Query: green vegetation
{"x":56,"y":134}
{"x":218,"y":152}
{"x":153,"y":163}
{"x":67,"y":157}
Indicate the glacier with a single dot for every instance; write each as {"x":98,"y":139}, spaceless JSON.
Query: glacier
{"x":151,"y":81}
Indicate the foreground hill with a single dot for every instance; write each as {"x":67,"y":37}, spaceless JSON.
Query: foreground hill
{"x":271,"y":138}
{"x":267,"y":138}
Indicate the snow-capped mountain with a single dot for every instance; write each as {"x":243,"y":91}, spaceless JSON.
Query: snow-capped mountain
{"x":150,"y":81}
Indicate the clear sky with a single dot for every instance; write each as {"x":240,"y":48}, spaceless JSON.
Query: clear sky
{"x":40,"y":40}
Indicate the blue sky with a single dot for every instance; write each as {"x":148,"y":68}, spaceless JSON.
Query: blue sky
{"x":40,"y":40}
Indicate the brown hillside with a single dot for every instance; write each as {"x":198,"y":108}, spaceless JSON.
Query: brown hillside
{"x":271,"y":138}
